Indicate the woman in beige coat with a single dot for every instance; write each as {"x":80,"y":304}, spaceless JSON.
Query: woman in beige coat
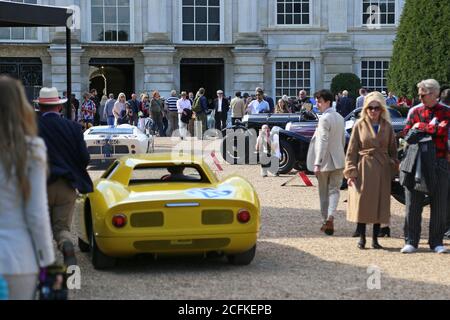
{"x":371,"y":161}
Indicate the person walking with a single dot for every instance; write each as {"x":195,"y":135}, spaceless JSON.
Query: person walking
{"x":88,"y":110}
{"x":221,"y":108}
{"x":156,"y":109}
{"x":68,"y":159}
{"x":25,"y":232}
{"x":119,"y":107}
{"x":237,"y":108}
{"x":431,"y":119}
{"x":172,"y":112}
{"x":184,"y":108}
{"x":108,"y":111}
{"x":101,"y":111}
{"x":371,"y":163}
{"x":360,"y":99}
{"x":200,"y":108}
{"x":134,"y":103}
{"x":144,"y":112}
{"x":344,"y":105}
{"x":326,"y":158}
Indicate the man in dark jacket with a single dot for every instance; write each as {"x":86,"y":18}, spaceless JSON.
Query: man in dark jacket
{"x":221,"y":108}
{"x":134,"y":103}
{"x":68,"y":159}
{"x":345,"y":105}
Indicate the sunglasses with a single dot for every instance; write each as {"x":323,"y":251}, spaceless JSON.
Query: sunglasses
{"x":374,"y":108}
{"x":423,"y":95}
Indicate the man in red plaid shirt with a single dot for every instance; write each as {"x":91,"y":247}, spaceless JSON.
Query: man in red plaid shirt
{"x":433,"y":118}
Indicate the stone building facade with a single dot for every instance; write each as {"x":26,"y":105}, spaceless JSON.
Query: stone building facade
{"x":143,"y":45}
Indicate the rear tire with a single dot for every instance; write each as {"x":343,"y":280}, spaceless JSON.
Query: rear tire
{"x":287,"y":160}
{"x":242,"y":259}
{"x":100,"y":261}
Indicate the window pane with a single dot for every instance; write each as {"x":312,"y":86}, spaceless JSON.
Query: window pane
{"x":214,"y":15}
{"x":188,"y":15}
{"x":188,"y":32}
{"x":97,"y":32}
{"x":200,"y":15}
{"x":124,"y":31}
{"x":124,"y":16}
{"x":201,"y":20}
{"x":200,"y":32}
{"x":214,"y":33}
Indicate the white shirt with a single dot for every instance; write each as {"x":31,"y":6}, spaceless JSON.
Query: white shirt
{"x":255,"y":107}
{"x":183,"y":104}
{"x":219,"y":105}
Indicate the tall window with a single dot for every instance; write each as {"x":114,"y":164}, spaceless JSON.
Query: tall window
{"x":293,"y":11}
{"x":374,"y":74}
{"x":291,"y":77}
{"x":19,"y":33}
{"x":378,"y":12}
{"x":201,"y":20}
{"x":110,"y":20}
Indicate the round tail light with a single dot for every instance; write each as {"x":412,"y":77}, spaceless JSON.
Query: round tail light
{"x":243,"y":216}
{"x":119,"y":220}
{"x":133,"y":146}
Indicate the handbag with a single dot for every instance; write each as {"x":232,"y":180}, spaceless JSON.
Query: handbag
{"x":53,"y":283}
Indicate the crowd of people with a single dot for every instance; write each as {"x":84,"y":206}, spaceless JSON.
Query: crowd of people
{"x":371,"y":163}
{"x":44,"y":159}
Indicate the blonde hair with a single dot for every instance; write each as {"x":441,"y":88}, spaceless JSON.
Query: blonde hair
{"x":156,"y":93}
{"x":122,"y":95}
{"x":378,"y":97}
{"x":18,"y":121}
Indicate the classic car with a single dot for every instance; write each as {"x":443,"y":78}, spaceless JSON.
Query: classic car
{"x":110,"y":142}
{"x":256,"y":121}
{"x":155,"y":204}
{"x":294,"y":141}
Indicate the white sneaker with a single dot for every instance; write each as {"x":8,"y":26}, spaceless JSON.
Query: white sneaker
{"x":440,"y":249}
{"x":408,"y":249}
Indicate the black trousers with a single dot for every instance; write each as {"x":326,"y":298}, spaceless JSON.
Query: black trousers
{"x":221,"y":120}
{"x":439,"y":210}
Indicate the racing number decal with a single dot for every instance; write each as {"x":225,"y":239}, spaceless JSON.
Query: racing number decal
{"x":210,"y":193}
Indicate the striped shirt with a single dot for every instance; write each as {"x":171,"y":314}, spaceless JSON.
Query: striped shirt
{"x":172,"y":104}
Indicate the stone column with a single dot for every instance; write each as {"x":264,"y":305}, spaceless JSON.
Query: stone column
{"x":159,"y":69}
{"x":58,"y":68}
{"x":247,"y":23}
{"x":249,"y":68}
{"x":157,"y":23}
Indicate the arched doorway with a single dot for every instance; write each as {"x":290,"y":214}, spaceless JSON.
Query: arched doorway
{"x":112,"y":76}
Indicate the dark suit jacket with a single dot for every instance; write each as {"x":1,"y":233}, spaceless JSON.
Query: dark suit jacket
{"x":68,"y":156}
{"x":345,"y":106}
{"x":225,"y":105}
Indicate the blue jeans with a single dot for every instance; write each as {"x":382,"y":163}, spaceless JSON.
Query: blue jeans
{"x":110,"y":120}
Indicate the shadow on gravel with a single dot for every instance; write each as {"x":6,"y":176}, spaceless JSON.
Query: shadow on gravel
{"x":298,"y":223}
{"x":278,"y":272}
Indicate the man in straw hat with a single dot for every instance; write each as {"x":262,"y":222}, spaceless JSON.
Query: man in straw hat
{"x":68,"y":159}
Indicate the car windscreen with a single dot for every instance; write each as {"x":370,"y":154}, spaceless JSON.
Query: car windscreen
{"x":167,"y":174}
{"x":111,"y":131}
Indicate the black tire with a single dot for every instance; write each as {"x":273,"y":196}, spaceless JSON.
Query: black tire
{"x":232,"y":156}
{"x":287,"y":160}
{"x":100,"y":261}
{"x":84,"y":247}
{"x":242,"y":259}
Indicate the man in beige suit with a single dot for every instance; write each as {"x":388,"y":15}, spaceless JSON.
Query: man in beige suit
{"x":326,"y":157}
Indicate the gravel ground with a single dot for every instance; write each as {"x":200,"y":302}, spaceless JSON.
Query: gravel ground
{"x":294,"y":260}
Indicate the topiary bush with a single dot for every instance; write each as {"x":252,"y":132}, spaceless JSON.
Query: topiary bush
{"x":346,"y":81}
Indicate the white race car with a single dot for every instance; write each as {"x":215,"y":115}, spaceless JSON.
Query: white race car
{"x":109,"y":142}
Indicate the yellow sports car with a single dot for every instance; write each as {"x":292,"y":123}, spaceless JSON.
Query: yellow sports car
{"x":155,"y":204}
